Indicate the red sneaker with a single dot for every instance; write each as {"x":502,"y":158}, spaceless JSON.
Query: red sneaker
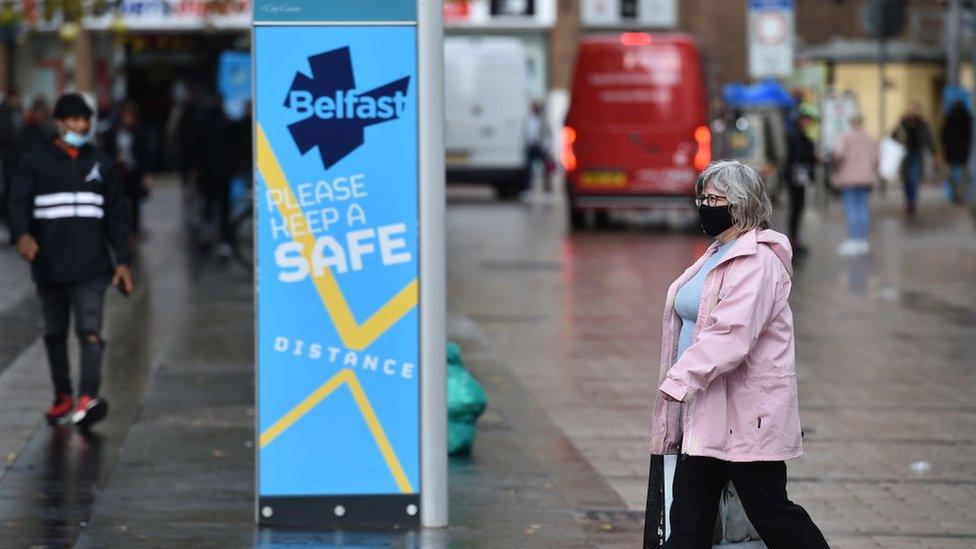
{"x":90,"y":410}
{"x":62,"y":406}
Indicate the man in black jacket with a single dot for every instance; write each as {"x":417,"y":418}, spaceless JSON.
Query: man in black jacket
{"x":801,"y":165}
{"x":70,"y":220}
{"x":957,"y":139}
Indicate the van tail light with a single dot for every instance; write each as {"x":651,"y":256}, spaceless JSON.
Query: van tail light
{"x":635,"y":39}
{"x":703,"y":137}
{"x":568,"y":156}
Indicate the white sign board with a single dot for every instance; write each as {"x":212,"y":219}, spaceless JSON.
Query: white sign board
{"x":771,"y":31}
{"x":654,"y":14}
{"x":155,"y":15}
{"x":836,"y":113}
{"x":499,"y":14}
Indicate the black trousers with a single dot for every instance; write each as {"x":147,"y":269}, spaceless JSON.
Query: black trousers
{"x":535,"y":153}
{"x":216,"y":205}
{"x":798,"y":200}
{"x":87,"y":300}
{"x":761,"y":485}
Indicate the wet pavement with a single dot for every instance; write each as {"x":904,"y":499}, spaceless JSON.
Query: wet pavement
{"x":563,"y":331}
{"x":885,"y":350}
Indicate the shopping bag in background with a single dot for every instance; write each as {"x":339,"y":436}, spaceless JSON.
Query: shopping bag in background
{"x":891,"y":154}
{"x":466,"y":400}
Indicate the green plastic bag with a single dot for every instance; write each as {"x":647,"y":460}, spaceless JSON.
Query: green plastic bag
{"x":466,"y":400}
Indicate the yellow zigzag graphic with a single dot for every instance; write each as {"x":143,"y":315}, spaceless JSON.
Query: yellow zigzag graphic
{"x":354,"y":335}
{"x":345,"y":377}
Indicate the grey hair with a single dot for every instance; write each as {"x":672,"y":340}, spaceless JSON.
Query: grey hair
{"x":742,"y":185}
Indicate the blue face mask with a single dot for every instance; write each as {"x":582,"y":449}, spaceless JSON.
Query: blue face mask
{"x":74,"y":139}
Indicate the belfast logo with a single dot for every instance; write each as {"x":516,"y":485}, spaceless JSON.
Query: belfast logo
{"x":333,"y":113}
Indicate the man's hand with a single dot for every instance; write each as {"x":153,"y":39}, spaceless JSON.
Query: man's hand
{"x":27,"y":247}
{"x":123,"y":277}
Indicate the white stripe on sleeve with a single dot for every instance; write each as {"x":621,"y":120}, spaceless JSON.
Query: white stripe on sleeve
{"x":89,"y":198}
{"x":59,"y":199}
{"x":89,"y":211}
{"x":59,"y":212}
{"x":54,"y":199}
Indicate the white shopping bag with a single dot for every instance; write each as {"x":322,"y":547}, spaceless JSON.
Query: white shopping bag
{"x":733,"y":531}
{"x":891,"y":154}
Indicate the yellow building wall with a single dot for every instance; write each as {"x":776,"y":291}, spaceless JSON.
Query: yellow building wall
{"x":906,"y":81}
{"x":966,"y":76}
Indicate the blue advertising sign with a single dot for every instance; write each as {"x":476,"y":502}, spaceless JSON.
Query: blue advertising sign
{"x":337,"y":242}
{"x":332,"y":10}
{"x":771,"y":4}
{"x":234,"y":82}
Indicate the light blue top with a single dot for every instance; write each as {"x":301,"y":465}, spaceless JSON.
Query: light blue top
{"x":689,"y":297}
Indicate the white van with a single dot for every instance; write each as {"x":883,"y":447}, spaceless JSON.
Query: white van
{"x":487,"y":102}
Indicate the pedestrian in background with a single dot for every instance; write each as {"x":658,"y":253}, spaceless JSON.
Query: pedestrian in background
{"x":39,"y":128}
{"x":855,"y":157}
{"x":957,"y":140}
{"x":127,"y":143}
{"x":728,"y":371}
{"x":537,"y":142}
{"x":913,"y":132}
{"x":11,"y":120}
{"x":801,"y":169}
{"x":69,"y":216}
{"x":183,"y":129}
{"x":217,"y":157}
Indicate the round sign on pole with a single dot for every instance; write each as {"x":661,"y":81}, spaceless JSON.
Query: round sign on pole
{"x":771,"y":28}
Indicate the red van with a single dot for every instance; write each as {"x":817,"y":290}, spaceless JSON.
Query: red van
{"x":636,"y":133}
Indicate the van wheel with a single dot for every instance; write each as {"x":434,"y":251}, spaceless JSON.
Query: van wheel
{"x":506,"y":192}
{"x":577,"y":217}
{"x":602,"y":219}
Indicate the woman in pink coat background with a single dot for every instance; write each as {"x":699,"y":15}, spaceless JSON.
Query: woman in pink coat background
{"x":727,"y":402}
{"x":855,"y":157}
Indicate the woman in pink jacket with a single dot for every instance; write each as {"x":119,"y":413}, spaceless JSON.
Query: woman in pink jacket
{"x":855,"y":157}
{"x":727,"y":402}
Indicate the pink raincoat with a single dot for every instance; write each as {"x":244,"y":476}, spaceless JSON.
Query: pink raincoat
{"x":737,"y":380}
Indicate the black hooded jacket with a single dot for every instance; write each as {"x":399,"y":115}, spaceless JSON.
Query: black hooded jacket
{"x":75,"y":209}
{"x":957,"y":134}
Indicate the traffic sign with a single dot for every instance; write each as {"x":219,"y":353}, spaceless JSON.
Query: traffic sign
{"x":771,"y":31}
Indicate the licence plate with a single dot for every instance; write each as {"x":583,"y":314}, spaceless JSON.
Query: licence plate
{"x":603,"y":180}
{"x":457,"y":157}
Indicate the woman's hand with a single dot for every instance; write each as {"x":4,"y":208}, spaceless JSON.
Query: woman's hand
{"x":668,"y":397}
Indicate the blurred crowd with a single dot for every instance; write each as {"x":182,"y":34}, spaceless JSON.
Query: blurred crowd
{"x":784,"y":139}
{"x":209,"y":149}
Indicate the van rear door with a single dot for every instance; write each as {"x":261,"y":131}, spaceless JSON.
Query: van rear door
{"x":486,"y":102}
{"x":635,"y":109}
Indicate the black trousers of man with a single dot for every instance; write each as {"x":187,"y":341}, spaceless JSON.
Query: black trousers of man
{"x":798,"y":200}
{"x":761,"y":486}
{"x":533,"y":154}
{"x":57,"y":301}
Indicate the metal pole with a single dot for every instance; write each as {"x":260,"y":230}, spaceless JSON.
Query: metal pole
{"x":953,"y":22}
{"x":972,"y":155}
{"x":882,"y":87}
{"x":433,"y":405}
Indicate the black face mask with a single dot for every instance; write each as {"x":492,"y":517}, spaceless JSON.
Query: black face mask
{"x":715,"y":220}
